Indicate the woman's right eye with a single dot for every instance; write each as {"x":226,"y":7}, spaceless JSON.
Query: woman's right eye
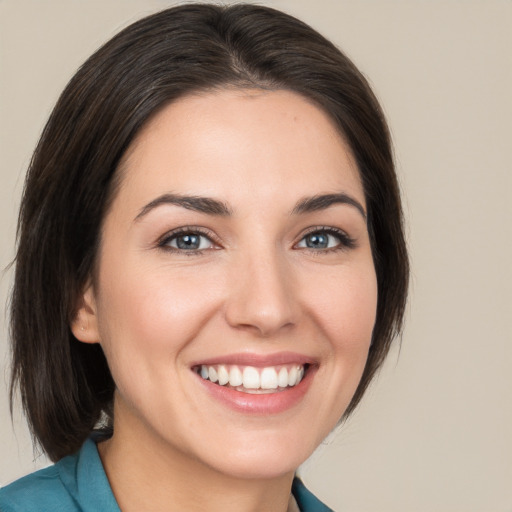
{"x":188,"y":241}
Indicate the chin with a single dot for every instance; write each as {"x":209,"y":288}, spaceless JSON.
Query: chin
{"x":261,"y":467}
{"x":262,"y":455}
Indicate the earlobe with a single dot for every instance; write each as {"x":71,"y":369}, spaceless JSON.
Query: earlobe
{"x":84,"y":325}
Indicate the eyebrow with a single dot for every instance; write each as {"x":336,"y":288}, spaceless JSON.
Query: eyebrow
{"x":196,"y":203}
{"x":322,"y":202}
{"x":212,"y":206}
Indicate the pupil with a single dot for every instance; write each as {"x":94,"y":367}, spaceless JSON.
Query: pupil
{"x":188,"y":242}
{"x":317,"y":241}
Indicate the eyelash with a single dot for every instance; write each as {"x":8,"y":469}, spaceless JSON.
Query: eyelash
{"x":164,"y":242}
{"x":345,"y":241}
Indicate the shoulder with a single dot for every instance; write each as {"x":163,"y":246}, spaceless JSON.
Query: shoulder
{"x":42,"y":490}
{"x":75,"y":483}
{"x":306,"y":500}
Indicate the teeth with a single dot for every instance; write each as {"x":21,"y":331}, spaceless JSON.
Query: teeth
{"x":251,"y":379}
{"x":223,"y":375}
{"x":282,"y":379}
{"x":292,"y":376}
{"x":235,"y":377}
{"x":269,"y":378}
{"x":212,"y":374}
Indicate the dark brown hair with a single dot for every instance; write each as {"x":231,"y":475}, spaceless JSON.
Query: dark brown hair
{"x":66,"y":385}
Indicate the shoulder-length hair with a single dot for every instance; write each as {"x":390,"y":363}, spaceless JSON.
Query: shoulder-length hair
{"x":66,"y":386}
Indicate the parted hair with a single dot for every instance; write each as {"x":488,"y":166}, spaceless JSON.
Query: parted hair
{"x":65,"y":386}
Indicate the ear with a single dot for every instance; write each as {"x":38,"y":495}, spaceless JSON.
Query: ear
{"x":84,"y":325}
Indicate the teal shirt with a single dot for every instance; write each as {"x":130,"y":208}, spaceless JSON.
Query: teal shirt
{"x":78,"y":483}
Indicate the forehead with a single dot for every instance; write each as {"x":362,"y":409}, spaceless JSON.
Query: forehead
{"x":230,"y":142}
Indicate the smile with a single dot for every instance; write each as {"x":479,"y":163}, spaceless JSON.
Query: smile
{"x":250,"y":379}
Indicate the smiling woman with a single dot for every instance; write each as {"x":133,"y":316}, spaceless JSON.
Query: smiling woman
{"x":211,"y":266}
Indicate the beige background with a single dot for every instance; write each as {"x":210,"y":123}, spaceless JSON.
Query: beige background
{"x":434,"y":434}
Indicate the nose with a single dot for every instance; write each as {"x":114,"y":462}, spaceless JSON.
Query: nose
{"x":262,"y":298}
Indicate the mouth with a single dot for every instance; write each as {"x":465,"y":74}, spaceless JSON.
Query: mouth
{"x":253,"y":379}
{"x":257,"y":384}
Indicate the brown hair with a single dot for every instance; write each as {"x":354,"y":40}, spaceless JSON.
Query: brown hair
{"x":66,"y":385}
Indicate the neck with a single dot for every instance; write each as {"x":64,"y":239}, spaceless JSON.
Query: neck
{"x":145,"y":473}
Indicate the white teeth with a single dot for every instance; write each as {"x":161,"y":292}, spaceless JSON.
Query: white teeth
{"x":251,"y":378}
{"x":282,"y":379}
{"x":235,"y":377}
{"x":212,"y":374}
{"x":269,"y":378}
{"x":292,"y":376}
{"x":223,"y":375}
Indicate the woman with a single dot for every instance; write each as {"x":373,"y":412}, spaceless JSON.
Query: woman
{"x":211,"y":266}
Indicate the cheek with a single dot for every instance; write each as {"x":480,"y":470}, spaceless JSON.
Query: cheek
{"x":346,"y":307}
{"x":153,"y":313}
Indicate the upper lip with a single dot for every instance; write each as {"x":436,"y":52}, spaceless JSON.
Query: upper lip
{"x":258,"y":360}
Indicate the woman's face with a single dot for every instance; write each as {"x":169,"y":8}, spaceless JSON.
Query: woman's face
{"x":235,"y":249}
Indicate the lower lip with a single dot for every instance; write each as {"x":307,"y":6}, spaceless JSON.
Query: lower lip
{"x":263,"y":404}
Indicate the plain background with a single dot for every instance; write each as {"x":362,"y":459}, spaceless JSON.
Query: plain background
{"x":434,"y":433}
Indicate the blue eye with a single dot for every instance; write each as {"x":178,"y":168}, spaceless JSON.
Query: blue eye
{"x":320,"y":241}
{"x":187,"y":241}
{"x":323,"y":239}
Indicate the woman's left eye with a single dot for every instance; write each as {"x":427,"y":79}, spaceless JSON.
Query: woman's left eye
{"x":325,"y":239}
{"x":187,"y":241}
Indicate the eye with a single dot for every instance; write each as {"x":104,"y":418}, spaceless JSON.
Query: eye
{"x":187,"y":241}
{"x":319,"y":240}
{"x":325,"y":239}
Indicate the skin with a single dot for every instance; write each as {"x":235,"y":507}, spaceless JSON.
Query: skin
{"x":254,"y":288}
